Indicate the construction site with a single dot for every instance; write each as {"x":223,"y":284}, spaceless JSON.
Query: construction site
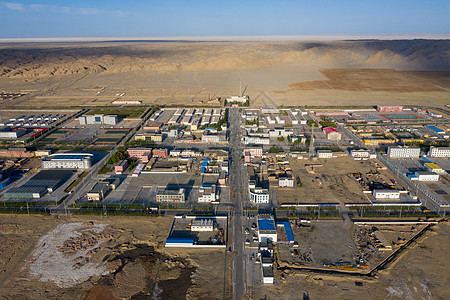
{"x":381,"y":260}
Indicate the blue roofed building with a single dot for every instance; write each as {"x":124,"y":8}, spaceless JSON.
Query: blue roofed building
{"x":267,"y":230}
{"x":437,"y":130}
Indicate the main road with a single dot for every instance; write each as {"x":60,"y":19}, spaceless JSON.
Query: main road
{"x":235,"y":181}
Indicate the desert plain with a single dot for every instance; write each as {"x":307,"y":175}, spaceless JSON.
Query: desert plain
{"x":335,"y":73}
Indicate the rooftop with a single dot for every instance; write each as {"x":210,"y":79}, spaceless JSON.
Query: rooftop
{"x":329,"y":129}
{"x":266,"y":224}
{"x":69,"y":156}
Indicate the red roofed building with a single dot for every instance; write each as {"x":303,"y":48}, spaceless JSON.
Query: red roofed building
{"x":331,"y":133}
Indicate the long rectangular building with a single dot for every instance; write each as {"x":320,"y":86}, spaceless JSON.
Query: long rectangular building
{"x":439,"y":152}
{"x":403,"y":152}
{"x":68,"y":161}
{"x":171,"y":196}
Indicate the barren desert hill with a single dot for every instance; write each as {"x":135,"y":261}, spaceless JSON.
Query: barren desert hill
{"x":52,"y":59}
{"x":375,"y":72}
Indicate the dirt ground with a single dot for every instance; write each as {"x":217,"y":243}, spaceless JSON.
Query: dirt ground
{"x":331,"y":182}
{"x":419,"y":273}
{"x":91,"y":258}
{"x":379,"y":80}
{"x":288,"y":73}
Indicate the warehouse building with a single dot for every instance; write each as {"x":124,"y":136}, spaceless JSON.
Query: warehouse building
{"x":434,"y":129}
{"x":68,"y":161}
{"x":386,"y":194}
{"x":10,"y":133}
{"x":426,"y":176}
{"x":41,"y":183}
{"x":99,"y":119}
{"x":403,"y":152}
{"x":439,"y":151}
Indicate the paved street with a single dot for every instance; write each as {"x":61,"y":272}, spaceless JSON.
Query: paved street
{"x":235,"y":181}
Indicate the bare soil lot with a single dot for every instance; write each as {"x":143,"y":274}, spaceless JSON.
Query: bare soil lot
{"x":389,"y":80}
{"x":96,"y":258}
{"x":331,"y":182}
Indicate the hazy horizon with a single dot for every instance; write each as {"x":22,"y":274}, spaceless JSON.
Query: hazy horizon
{"x":231,"y":38}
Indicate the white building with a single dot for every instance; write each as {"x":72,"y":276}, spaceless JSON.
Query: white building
{"x":239,"y":99}
{"x":267,"y":273}
{"x":280,"y":132}
{"x":9,"y":133}
{"x":267,"y":230}
{"x":324,"y":154}
{"x":279,"y":120}
{"x":285,"y":181}
{"x":403,"y":152}
{"x":171,"y":196}
{"x":301,"y":119}
{"x":98,"y":120}
{"x":270,"y":120}
{"x":210,"y":138}
{"x":259,"y":195}
{"x":207,"y":194}
{"x":202,"y":225}
{"x":427,"y":176}
{"x":255,"y":140}
{"x":386,"y":194}
{"x":68,"y":161}
{"x":439,"y":152}
{"x":360,"y":154}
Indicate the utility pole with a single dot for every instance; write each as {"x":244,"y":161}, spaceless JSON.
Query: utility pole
{"x":312,"y":150}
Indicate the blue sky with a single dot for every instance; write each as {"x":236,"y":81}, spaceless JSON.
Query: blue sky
{"x":81,"y":18}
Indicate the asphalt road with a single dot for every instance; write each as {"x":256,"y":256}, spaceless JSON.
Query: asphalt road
{"x":235,"y":180}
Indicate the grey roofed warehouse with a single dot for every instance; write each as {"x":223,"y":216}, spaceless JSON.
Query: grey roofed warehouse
{"x":41,"y":183}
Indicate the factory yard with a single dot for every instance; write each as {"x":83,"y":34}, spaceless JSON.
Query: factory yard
{"x":332,"y":181}
{"x":97,"y":258}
